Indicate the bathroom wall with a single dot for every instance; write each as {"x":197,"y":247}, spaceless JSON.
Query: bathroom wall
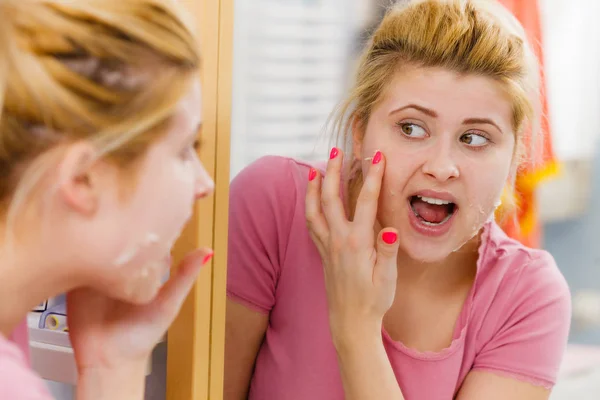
{"x":575,"y":245}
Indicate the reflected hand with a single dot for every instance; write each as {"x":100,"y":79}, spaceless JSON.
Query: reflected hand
{"x":360,"y":271}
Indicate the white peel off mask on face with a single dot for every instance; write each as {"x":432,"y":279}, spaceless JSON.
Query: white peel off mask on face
{"x":144,"y":284}
{"x":477,"y":228}
{"x":129,"y":254}
{"x":155,"y":270}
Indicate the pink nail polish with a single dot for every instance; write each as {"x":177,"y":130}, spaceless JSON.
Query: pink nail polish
{"x":377,"y":157}
{"x":334,"y":153}
{"x":207,"y":258}
{"x":312,"y":174}
{"x":389,"y":237}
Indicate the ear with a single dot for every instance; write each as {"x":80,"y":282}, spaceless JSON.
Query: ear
{"x":357,"y":138}
{"x":76,"y":186}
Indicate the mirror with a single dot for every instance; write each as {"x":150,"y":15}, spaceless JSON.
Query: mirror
{"x":294,"y":62}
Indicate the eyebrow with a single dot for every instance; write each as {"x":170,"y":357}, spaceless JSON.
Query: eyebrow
{"x":195,"y":135}
{"x":470,"y":121}
{"x":433,"y":114}
{"x":424,"y":110}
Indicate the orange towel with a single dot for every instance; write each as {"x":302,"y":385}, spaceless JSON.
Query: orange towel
{"x":541,"y":163}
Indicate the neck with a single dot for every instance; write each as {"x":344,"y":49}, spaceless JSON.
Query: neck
{"x":455,"y":270}
{"x":28,"y":277}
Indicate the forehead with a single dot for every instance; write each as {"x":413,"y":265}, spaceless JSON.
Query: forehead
{"x":192,"y":103}
{"x":448,"y":93}
{"x":188,"y":113}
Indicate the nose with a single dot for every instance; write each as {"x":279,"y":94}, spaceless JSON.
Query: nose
{"x":440,"y":164}
{"x":204,"y":185}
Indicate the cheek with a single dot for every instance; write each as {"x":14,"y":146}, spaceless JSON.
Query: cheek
{"x":484,"y":188}
{"x":177,"y":193}
{"x":392,"y":198}
{"x":163,"y":205}
{"x":183,"y":174}
{"x":142,"y":285}
{"x":376,"y":137}
{"x":398,"y":171}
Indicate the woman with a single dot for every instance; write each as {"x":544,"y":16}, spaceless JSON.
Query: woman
{"x":98,"y":175}
{"x":383,"y":275}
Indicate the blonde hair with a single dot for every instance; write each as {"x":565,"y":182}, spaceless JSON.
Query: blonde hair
{"x":109,"y":72}
{"x":465,"y":36}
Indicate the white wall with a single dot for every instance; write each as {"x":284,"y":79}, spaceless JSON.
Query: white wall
{"x":572,"y":53}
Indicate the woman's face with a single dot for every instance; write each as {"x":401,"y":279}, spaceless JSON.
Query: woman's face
{"x":135,"y":235}
{"x":448,"y":143}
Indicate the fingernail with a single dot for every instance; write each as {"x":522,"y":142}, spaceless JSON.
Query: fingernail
{"x":208,"y":257}
{"x":389,"y":237}
{"x":377,"y":157}
{"x":334,"y":153}
{"x":312,"y":174}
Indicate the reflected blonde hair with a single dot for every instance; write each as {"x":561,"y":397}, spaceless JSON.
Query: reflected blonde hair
{"x":109,"y":72}
{"x":466,"y":36}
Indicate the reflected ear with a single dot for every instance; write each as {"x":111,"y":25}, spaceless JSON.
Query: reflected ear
{"x":357,"y":138}
{"x":76,"y":185}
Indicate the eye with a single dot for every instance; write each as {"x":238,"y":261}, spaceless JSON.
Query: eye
{"x":191,"y":150}
{"x":474,"y":139}
{"x":412,"y":130}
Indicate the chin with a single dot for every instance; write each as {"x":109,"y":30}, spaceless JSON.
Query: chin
{"x":426,"y":253}
{"x":141,"y":299}
{"x":136,"y":292}
{"x":431,"y":250}
{"x":140,"y":282}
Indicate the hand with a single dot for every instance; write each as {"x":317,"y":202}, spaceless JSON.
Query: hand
{"x":360,"y":271}
{"x":108,"y":334}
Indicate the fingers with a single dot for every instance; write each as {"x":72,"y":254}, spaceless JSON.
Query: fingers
{"x":315,"y":220}
{"x":172,"y":295}
{"x":385,"y":270}
{"x":367,"y":202}
{"x":333,"y":207}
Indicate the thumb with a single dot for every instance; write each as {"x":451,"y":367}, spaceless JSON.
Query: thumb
{"x":385,"y":271}
{"x":169,"y":300}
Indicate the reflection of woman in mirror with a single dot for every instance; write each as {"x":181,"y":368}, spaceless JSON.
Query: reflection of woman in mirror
{"x":384,"y":275}
{"x":99,"y":113}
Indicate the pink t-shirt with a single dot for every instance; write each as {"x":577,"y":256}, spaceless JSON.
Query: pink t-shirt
{"x":17,"y":380}
{"x":515,"y":321}
{"x":20,"y":337}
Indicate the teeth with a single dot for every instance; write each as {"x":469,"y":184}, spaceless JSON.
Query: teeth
{"x":431,"y":200}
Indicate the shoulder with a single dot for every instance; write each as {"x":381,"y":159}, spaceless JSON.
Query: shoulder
{"x":275,"y":167}
{"x":275,"y":172}
{"x":266,"y":209}
{"x":522,"y":311}
{"x":518,"y":278}
{"x":508,"y":259}
{"x":271,"y":180}
{"x":266,"y":204}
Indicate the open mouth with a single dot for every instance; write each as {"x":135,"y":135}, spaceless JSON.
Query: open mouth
{"x":431,"y":211}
